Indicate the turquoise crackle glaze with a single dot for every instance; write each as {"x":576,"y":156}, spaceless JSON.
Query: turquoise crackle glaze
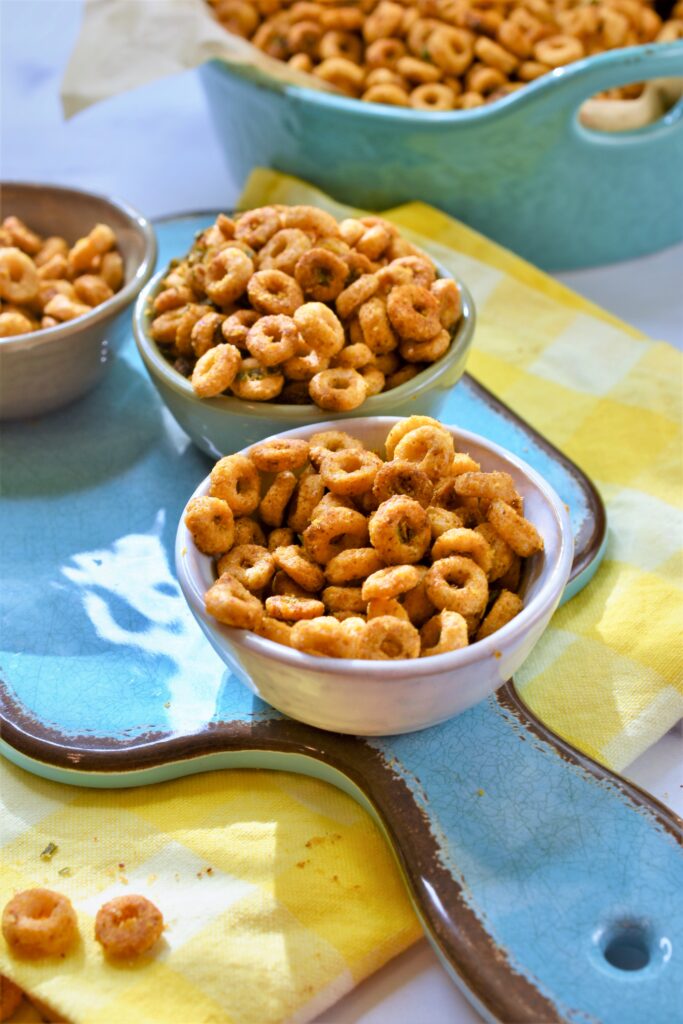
{"x":522,"y":171}
{"x":537,"y":878}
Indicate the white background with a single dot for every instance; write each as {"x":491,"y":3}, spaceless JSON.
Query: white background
{"x":156,"y":149}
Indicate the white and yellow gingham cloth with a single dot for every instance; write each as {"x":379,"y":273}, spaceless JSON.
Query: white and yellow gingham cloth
{"x":303,"y":899}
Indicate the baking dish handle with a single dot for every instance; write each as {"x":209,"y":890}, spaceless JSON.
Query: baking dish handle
{"x":577,"y":82}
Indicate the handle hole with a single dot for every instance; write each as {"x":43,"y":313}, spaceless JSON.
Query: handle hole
{"x":638,"y":107}
{"x":627,"y":947}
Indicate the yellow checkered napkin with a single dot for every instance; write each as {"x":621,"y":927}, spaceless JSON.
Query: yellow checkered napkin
{"x":278,"y":892}
{"x":303,"y":899}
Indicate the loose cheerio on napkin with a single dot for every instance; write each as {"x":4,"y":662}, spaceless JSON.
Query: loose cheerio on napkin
{"x":278,"y":891}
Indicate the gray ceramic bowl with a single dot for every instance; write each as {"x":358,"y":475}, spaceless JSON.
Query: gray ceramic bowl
{"x":44,"y":370}
{"x":226,"y":424}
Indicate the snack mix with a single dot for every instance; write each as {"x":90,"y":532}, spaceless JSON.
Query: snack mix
{"x":283,"y":303}
{"x":327,"y":547}
{"x":44,"y":282}
{"x":443,"y":54}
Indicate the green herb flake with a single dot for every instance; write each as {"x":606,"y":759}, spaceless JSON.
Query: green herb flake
{"x":65,"y":872}
{"x":49,"y":851}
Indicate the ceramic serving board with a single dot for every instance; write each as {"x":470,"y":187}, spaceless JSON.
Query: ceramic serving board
{"x":544,"y":882}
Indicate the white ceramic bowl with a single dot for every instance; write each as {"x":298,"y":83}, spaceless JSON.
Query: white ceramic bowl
{"x":380,"y":698}
{"x":45,"y":370}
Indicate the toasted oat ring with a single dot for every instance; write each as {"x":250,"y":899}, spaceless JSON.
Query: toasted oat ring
{"x":309,"y":492}
{"x":354,"y":295}
{"x":342,"y":73}
{"x":461,"y":541}
{"x":238,"y":16}
{"x":399,"y":530}
{"x":387,"y":638}
{"x":280,"y":537}
{"x":236,"y":326}
{"x":429,"y":448}
{"x":450,"y":301}
{"x":446,"y":631}
{"x":384,"y":53}
{"x":235,"y":479}
{"x":128,"y":926}
{"x":321,"y":274}
{"x":350,"y":471}
{"x":248,"y":531}
{"x":304,"y":368}
{"x":386,"y":606}
{"x":320,"y":445}
{"x":558,"y":50}
{"x":344,"y":599}
{"x":19,"y":281}
{"x":469,"y":100}
{"x":257,"y":226}
{"x":463,"y":463}
{"x":518,"y":532}
{"x":175,"y":326}
{"x":495,"y":55}
{"x":484,"y":80}
{"x":450,"y":49}
{"x":354,"y":357}
{"x":231,"y":603}
{"x":375,"y":241}
{"x":337,"y":390}
{"x":458,"y":585}
{"x":206,"y":333}
{"x":39,"y":922}
{"x":503,"y":557}
{"x":351,"y":565}
{"x":336,"y":43}
{"x":276,"y":630}
{"x":310,"y":219}
{"x":320,"y":328}
{"x":530,"y":70}
{"x":323,"y":637}
{"x":10,"y":997}
{"x":416,"y":603}
{"x":432,"y":96}
{"x":256,"y":383}
{"x":377,"y":331}
{"x":251,"y":564}
{"x":284,"y":585}
{"x":402,"y":477}
{"x":272,"y":291}
{"x":414,"y":312}
{"x":274,"y":501}
{"x":442,"y":519}
{"x":273,"y":339}
{"x":374,"y":380}
{"x":391,"y":582}
{"x":303,"y":39}
{"x":211,"y":523}
{"x":279,"y":454}
{"x":295,"y":561}
{"x":426,"y":351}
{"x":13,"y":323}
{"x":418,"y":72}
{"x":283,"y":250}
{"x":291,"y":609}
{"x":494,"y":484}
{"x":215,"y":371}
{"x":333,"y":531}
{"x":228,"y":274}
{"x":388,"y":93}
{"x":403,"y":427}
{"x":502,"y":611}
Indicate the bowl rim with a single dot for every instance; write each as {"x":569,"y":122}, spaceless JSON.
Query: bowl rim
{"x":136,"y":220}
{"x":556,"y":576}
{"x":301,"y":414}
{"x":563,"y":76}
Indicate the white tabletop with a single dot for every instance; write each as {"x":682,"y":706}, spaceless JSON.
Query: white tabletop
{"x":136,"y":146}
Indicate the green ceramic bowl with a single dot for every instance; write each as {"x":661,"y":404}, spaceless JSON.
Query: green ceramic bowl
{"x":225,"y":424}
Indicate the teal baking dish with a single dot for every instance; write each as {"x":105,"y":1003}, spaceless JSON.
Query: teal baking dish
{"x":523,"y":171}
